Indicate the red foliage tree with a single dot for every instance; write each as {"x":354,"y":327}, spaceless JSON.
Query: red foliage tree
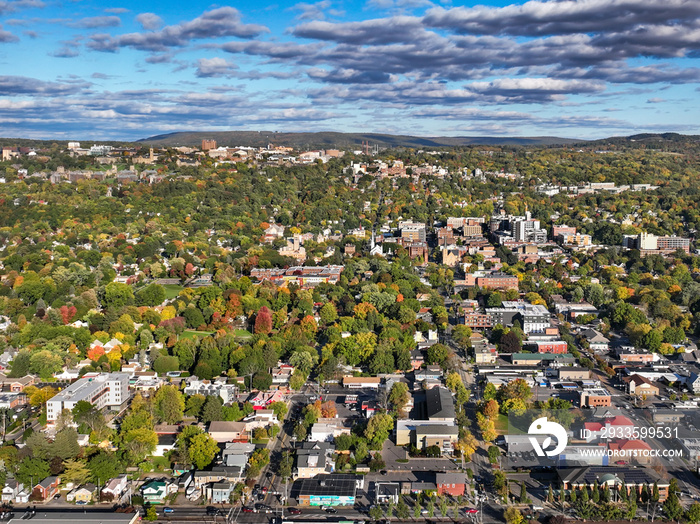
{"x":263,"y":321}
{"x":67,"y":313}
{"x":95,"y":353}
{"x":189,"y":269}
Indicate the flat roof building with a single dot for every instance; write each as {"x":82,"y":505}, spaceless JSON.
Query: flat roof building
{"x":100,"y":390}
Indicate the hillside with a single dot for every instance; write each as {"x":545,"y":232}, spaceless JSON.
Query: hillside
{"x":340,"y":140}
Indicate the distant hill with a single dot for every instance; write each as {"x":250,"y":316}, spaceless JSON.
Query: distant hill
{"x":341,"y":140}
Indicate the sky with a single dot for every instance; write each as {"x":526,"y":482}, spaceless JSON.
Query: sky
{"x":124,"y":70}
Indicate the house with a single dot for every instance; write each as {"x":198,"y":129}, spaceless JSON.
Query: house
{"x":549,"y":346}
{"x":385,"y":492}
{"x":16,"y":385}
{"x":114,"y":489}
{"x":454,"y":484}
{"x":282,"y":374}
{"x":220,"y":492}
{"x":430,"y":373}
{"x":693,"y":382}
{"x":314,"y":458}
{"x":13,"y":491}
{"x":638,"y":386}
{"x":82,"y":494}
{"x":417,"y":359}
{"x":596,"y":341}
{"x":156,"y":491}
{"x":46,"y":489}
{"x":226,"y":431}
{"x":166,"y":443}
{"x":361,"y":382}
{"x":328,"y":430}
{"x":12,"y":400}
{"x":217,"y":474}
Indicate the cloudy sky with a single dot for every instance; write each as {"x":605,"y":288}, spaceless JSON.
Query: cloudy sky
{"x":85,"y":69}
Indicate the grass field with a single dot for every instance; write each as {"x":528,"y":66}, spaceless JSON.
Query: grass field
{"x":501,"y":424}
{"x":190,"y":333}
{"x":242,"y":333}
{"x":172,"y":290}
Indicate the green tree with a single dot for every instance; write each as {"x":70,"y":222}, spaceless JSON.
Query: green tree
{"x":194,"y":405}
{"x":32,"y":470}
{"x":378,"y":428}
{"x":65,"y":444}
{"x":104,"y":466}
{"x":118,"y":295}
{"x":399,"y":396}
{"x":202,"y":450}
{"x":151,"y":295}
{"x":672,"y":506}
{"x":169,"y":404}
{"x":279,"y":409}
{"x":211,"y":410}
{"x":512,"y":515}
{"x":75,"y":471}
{"x":151,"y":514}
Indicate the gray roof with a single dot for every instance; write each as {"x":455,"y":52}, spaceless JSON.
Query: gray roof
{"x":450,"y":478}
{"x":439,"y":403}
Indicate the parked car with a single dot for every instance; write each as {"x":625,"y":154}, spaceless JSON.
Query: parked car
{"x":246,"y":509}
{"x":471,"y":511}
{"x":331,"y":510}
{"x":294,"y":511}
{"x":211,"y":510}
{"x":168,"y":509}
{"x":621,"y":462}
{"x":263,"y":508}
{"x":81,"y":502}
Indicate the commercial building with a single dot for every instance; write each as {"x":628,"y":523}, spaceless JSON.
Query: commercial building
{"x":327,"y":490}
{"x":633,"y":479}
{"x":597,"y":397}
{"x":533,"y":318}
{"x":101,"y":390}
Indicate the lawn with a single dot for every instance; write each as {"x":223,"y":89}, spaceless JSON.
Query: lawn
{"x":190,"y":333}
{"x":172,"y":290}
{"x":242,"y":333}
{"x":501,"y":424}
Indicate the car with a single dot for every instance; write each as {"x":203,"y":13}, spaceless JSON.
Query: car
{"x":257,"y":486}
{"x":211,"y":510}
{"x":331,"y":510}
{"x":294,"y":511}
{"x":478,"y":478}
{"x":621,"y":462}
{"x":383,"y":472}
{"x":168,"y":509}
{"x":471,"y":511}
{"x":263,"y":508}
{"x":81,"y":502}
{"x":264,"y":489}
{"x":57,"y":496}
{"x":537,"y":508}
{"x":261,"y":497}
{"x":246,"y":509}
{"x":268,"y":475}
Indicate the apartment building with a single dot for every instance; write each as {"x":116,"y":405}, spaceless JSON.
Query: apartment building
{"x":99,"y":389}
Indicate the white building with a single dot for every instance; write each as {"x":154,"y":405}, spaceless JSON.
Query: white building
{"x":99,"y":389}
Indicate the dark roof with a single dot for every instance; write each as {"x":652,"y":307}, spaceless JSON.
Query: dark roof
{"x":439,"y":403}
{"x":326,"y":485}
{"x":588,"y":475}
{"x":450,"y":478}
{"x":47,"y":482}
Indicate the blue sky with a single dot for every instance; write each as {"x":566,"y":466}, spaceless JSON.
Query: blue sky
{"x":126,"y":70}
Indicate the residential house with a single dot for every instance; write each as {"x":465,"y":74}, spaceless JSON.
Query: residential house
{"x":156,"y":491}
{"x":202,"y":479}
{"x":115,"y":489}
{"x":314,"y":458}
{"x":596,"y":340}
{"x":454,"y":484}
{"x":16,"y":385}
{"x":14,"y":492}
{"x":46,"y":489}
{"x":83,"y":494}
{"x":693,"y":382}
{"x":226,"y":431}
{"x":281,"y":375}
{"x":326,"y":430}
{"x":236,"y":454}
{"x":220,"y":492}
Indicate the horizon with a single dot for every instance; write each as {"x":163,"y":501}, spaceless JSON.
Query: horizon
{"x":584,"y":70}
